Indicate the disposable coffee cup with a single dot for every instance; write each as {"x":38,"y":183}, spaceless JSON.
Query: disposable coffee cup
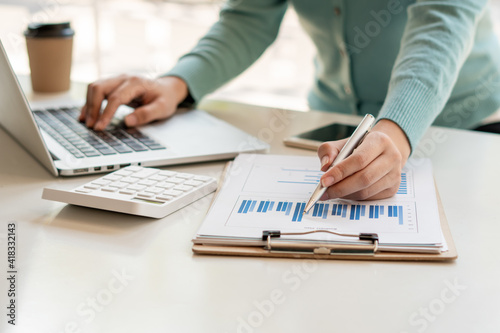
{"x":50,"y":48}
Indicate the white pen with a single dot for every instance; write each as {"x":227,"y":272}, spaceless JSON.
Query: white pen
{"x":355,"y":140}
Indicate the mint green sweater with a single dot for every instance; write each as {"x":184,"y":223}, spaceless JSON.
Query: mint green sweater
{"x":416,"y":63}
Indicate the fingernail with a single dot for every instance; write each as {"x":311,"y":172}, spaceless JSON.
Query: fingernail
{"x":131,"y":120}
{"x":327,"y":181}
{"x":88,"y":122}
{"x":324,"y":161}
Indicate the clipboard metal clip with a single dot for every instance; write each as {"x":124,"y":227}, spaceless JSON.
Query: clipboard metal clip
{"x":369,"y":247}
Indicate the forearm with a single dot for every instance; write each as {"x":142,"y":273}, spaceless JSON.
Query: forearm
{"x":241,"y":35}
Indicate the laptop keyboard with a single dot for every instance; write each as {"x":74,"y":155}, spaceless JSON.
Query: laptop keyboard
{"x":62,"y":125}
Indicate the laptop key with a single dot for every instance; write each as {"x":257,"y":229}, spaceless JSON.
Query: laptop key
{"x":92,"y":154}
{"x":107,"y":152}
{"x":122,"y":149}
{"x":156,"y":147}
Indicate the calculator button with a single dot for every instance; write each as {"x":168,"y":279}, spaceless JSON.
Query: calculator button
{"x":127,"y":191}
{"x":158,"y":178}
{"x":146,"y":182}
{"x":164,"y":197}
{"x":193,"y":183}
{"x":100,"y":182}
{"x":184,"y":176}
{"x":91,"y":186}
{"x":183,"y":188}
{"x":155,"y":190}
{"x":133,"y":168}
{"x":202,"y":178}
{"x":109,"y":189}
{"x":118,"y":184}
{"x":172,"y":192}
{"x":165,"y":185}
{"x":112,"y":177}
{"x":144,"y":173}
{"x":167,"y":173}
{"x":145,"y":195}
{"x":136,"y":187}
{"x":123,"y":173}
{"x":175,"y":180}
{"x":129,"y":180}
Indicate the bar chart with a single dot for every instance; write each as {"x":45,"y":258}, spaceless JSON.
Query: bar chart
{"x":334,"y":214}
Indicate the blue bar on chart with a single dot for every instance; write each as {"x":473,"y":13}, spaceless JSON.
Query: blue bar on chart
{"x":261,"y":205}
{"x":321,"y":210}
{"x":325,"y":211}
{"x":403,"y":186}
{"x":299,"y":210}
{"x":315,"y":210}
{"x":246,"y":206}
{"x":242,"y":206}
{"x":266,"y":204}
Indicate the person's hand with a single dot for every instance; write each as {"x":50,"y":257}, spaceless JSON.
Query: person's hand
{"x":153,"y":99}
{"x":372,"y":171}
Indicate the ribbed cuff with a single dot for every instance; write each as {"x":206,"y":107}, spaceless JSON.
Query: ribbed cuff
{"x":412,"y":106}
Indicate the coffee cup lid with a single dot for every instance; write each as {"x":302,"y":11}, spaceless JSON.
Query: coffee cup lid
{"x":45,"y":30}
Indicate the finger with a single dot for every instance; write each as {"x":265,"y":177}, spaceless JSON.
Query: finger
{"x":366,"y":182}
{"x":81,"y":117}
{"x":123,"y":94}
{"x":328,"y":151}
{"x":149,"y":112}
{"x":369,"y":150}
{"x":385,"y":187}
{"x":96,"y":93}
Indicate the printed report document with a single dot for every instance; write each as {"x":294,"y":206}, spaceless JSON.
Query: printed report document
{"x":269,"y":192}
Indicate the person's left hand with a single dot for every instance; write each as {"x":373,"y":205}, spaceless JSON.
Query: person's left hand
{"x":372,"y":171}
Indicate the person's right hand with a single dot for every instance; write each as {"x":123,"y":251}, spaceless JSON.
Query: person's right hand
{"x":153,"y":99}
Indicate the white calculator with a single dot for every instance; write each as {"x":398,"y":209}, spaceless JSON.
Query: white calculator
{"x":137,"y":190}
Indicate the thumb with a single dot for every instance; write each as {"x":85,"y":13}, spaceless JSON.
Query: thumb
{"x":146,"y":114}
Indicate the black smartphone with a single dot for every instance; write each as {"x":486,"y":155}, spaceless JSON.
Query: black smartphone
{"x":314,"y":138}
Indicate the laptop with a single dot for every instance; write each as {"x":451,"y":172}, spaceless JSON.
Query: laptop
{"x":66,"y":147}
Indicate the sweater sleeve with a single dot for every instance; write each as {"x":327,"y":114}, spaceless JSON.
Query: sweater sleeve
{"x":436,"y":42}
{"x":244,"y":30}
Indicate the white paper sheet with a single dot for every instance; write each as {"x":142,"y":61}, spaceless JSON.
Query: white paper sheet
{"x":269,"y":192}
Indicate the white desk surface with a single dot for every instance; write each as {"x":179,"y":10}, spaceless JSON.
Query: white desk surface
{"x":68,"y":257}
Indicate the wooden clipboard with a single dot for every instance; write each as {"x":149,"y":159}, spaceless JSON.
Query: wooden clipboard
{"x":255,"y":251}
